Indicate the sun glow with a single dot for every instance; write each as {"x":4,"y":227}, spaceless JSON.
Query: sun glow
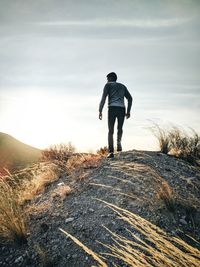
{"x":38,"y":119}
{"x":41,"y":119}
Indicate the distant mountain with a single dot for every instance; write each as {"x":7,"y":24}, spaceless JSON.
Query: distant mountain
{"x":14,"y":154}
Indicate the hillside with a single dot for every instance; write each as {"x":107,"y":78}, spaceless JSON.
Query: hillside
{"x":162,"y":193}
{"x":14,"y":153}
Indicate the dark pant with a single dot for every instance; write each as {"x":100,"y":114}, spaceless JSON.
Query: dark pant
{"x":113,"y":113}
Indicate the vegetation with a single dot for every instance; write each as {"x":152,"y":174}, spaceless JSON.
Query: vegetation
{"x":61,"y":152}
{"x":16,"y":189}
{"x":185,"y":146}
{"x":166,"y":195}
{"x":177,"y":142}
{"x":45,"y":259}
{"x":102,"y":151}
{"x":162,"y":137}
{"x":147,"y":246}
{"x":12,"y":217}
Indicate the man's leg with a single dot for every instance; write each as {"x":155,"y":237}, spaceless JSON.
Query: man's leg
{"x":111,"y":123}
{"x":120,"y":120}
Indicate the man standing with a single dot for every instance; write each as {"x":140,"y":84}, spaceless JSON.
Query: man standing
{"x":116,"y":109}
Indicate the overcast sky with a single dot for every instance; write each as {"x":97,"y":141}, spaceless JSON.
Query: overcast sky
{"x":55,"y":55}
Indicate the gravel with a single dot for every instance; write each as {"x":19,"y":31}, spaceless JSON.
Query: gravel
{"x":132,"y":180}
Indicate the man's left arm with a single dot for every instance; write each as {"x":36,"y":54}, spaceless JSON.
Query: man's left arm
{"x":130,"y":100}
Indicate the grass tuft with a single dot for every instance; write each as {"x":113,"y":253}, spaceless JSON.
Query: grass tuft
{"x":45,"y":259}
{"x":102,"y":151}
{"x":12,"y":217}
{"x":60,"y":152}
{"x":185,"y":146}
{"x":162,"y":136}
{"x":177,"y":142}
{"x":166,"y":195}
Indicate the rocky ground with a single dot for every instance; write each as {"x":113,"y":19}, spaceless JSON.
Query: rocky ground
{"x":134,"y":180}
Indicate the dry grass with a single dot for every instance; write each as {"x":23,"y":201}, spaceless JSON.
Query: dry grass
{"x":39,"y":208}
{"x":96,"y":257}
{"x":165,"y":193}
{"x":64,"y":156}
{"x":147,"y":246}
{"x":81,"y":162}
{"x":177,"y":142}
{"x":12,"y":217}
{"x":162,"y":137}
{"x":185,"y":146}
{"x":45,"y":259}
{"x":29,"y":189}
{"x":103,"y":151}
{"x":17,"y":189}
{"x":60,"y":152}
{"x":14,"y":191}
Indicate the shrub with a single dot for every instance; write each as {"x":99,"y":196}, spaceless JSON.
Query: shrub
{"x":60,"y":152}
{"x":102,"y":151}
{"x":12,"y":217}
{"x":185,"y":146}
{"x":177,"y":142}
{"x":162,"y":137}
{"x":166,"y":195}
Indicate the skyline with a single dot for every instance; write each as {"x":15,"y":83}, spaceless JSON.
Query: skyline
{"x":55,"y":56}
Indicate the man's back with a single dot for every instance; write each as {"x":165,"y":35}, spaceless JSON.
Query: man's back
{"x":116,"y":93}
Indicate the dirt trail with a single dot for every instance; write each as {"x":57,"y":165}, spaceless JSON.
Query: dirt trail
{"x":131,"y":180}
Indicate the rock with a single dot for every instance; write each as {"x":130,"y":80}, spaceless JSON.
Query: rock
{"x":91,"y":210}
{"x":44,"y":227}
{"x":69,"y":220}
{"x":19,"y":259}
{"x":183,"y":221}
{"x":59,"y":184}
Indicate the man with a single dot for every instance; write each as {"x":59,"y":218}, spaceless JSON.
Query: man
{"x":116,"y":109}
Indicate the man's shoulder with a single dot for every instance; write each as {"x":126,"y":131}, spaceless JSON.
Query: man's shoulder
{"x":121,"y":85}
{"x":114,"y":85}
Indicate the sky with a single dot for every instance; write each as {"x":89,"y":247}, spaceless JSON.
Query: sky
{"x":55,"y":55}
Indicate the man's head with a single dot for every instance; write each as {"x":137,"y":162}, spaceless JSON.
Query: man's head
{"x":112,"y":77}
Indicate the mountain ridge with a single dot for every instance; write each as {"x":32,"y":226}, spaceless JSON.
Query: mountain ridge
{"x":15,"y":154}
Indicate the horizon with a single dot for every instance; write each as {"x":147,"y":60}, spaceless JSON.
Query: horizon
{"x":55,"y":56}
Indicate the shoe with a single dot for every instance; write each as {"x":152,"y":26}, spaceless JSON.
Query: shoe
{"x":119,"y":147}
{"x":110,"y":156}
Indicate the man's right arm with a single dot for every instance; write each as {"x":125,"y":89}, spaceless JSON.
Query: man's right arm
{"x":103,"y":99}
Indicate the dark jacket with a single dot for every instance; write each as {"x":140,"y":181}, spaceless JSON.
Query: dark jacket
{"x":116,"y":93}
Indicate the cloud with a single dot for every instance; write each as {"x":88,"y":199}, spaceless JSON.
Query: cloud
{"x":139,"y":23}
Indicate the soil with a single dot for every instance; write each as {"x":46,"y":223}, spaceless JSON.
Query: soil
{"x":133,"y":181}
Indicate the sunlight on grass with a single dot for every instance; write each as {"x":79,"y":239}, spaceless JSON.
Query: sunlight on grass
{"x":86,"y":249}
{"x":12,"y":217}
{"x":175,"y":141}
{"x":147,"y":246}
